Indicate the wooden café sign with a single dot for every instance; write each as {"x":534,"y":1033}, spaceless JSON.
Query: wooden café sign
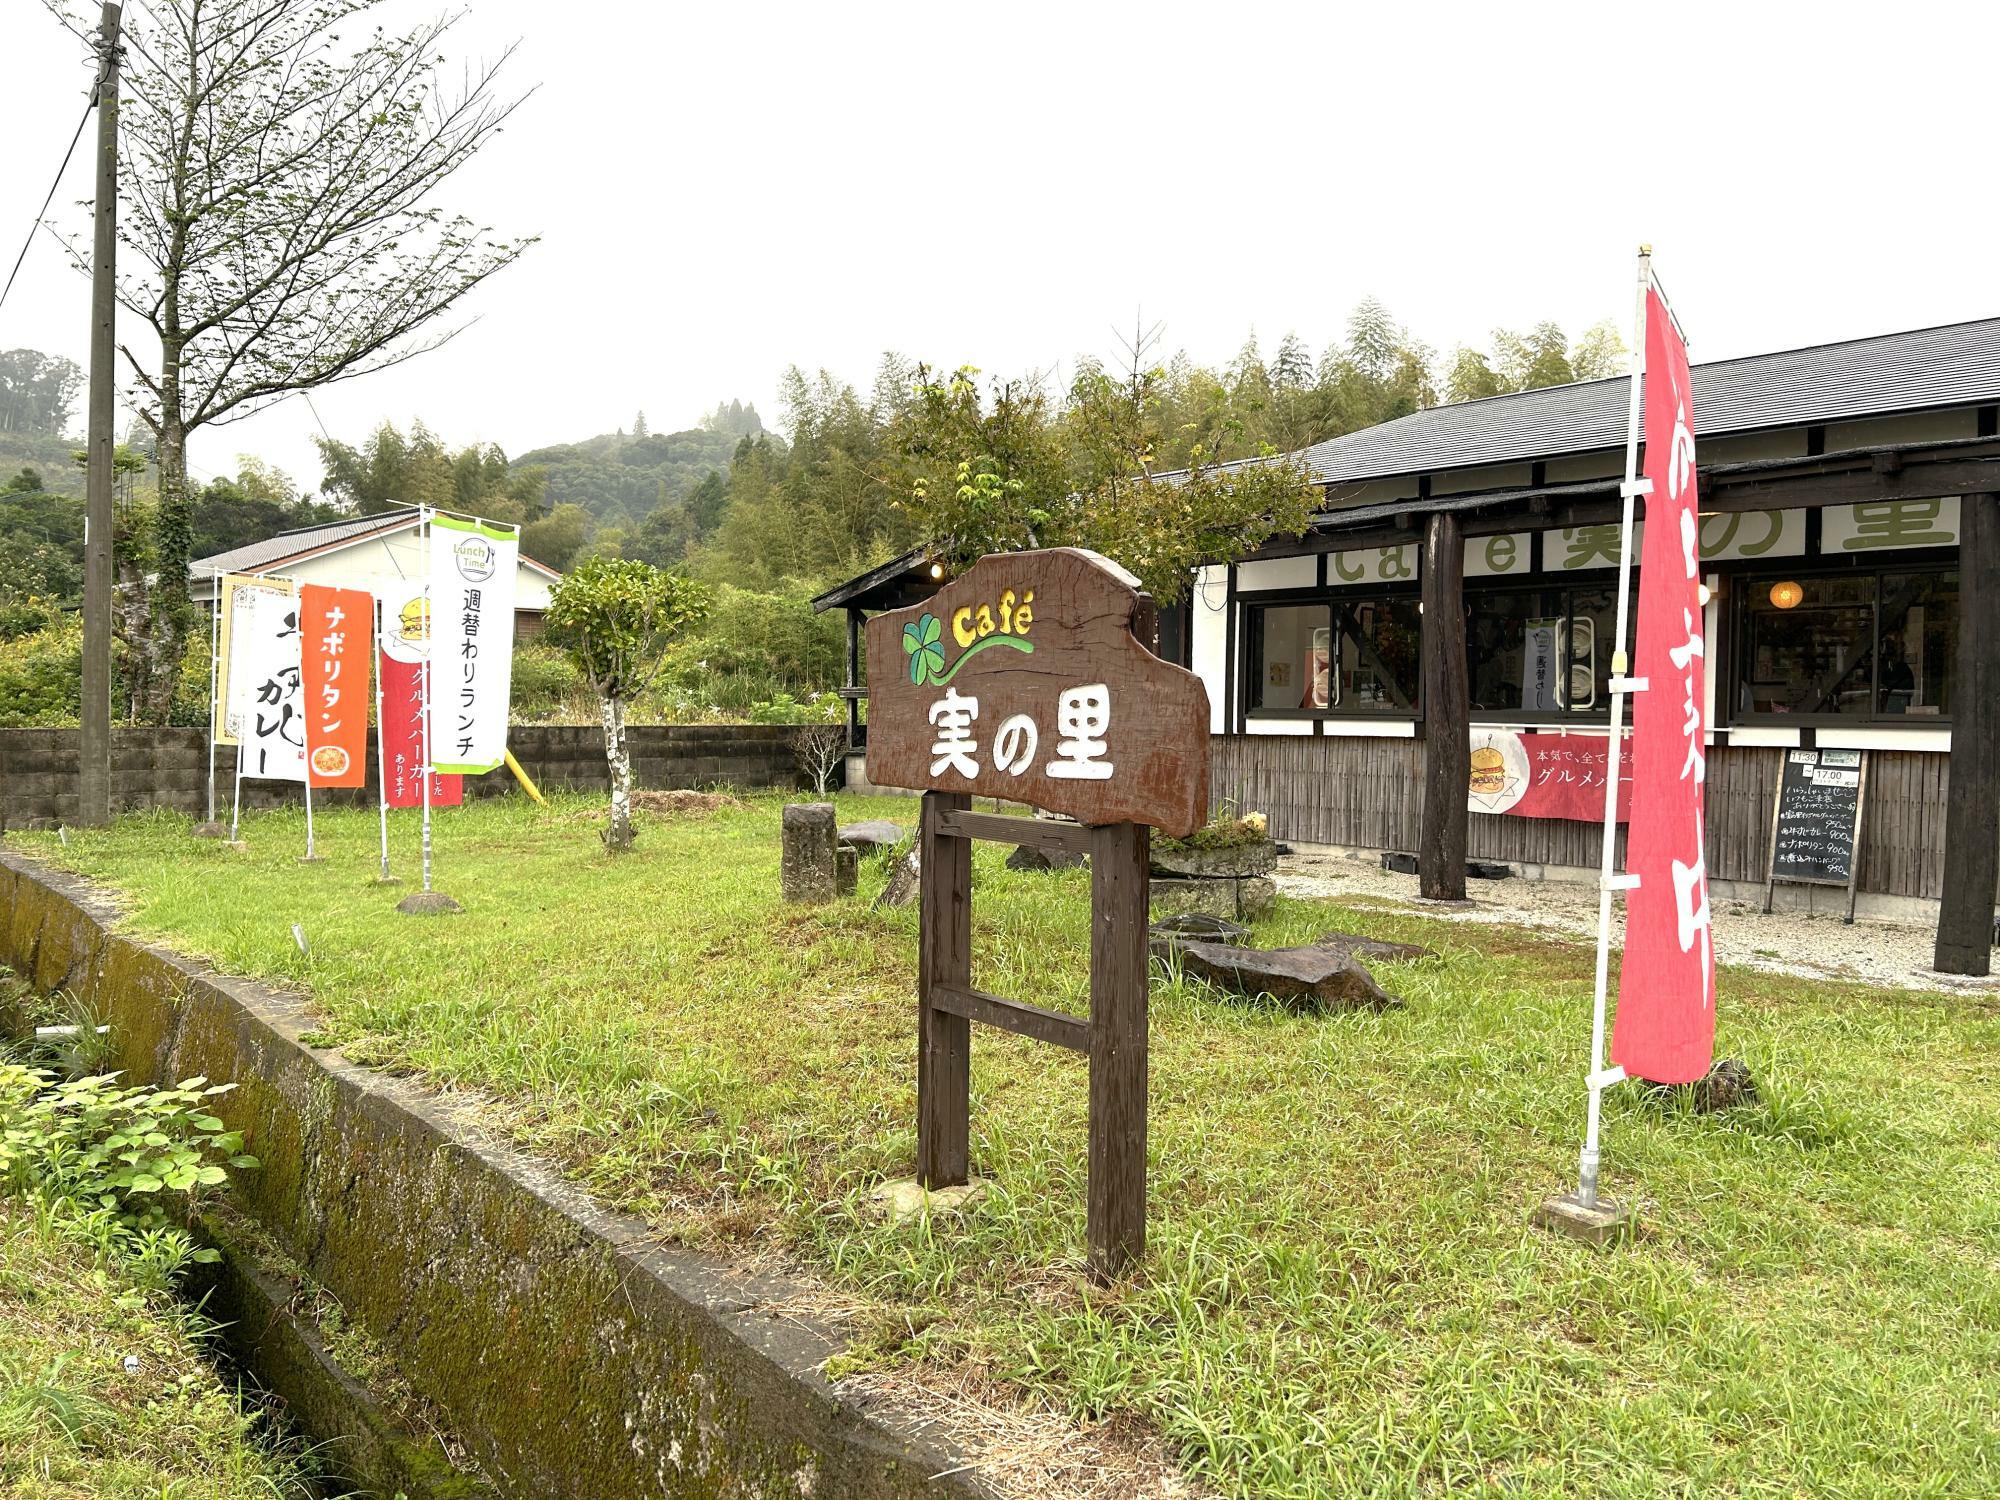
{"x":1024,"y":679}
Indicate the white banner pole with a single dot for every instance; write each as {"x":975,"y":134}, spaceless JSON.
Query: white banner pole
{"x":430,"y":654}
{"x":309,"y":812}
{"x":381,"y":742}
{"x":1609,"y":880}
{"x":215,"y":705}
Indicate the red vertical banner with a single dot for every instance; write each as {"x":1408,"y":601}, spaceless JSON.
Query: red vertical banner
{"x":337,"y":629}
{"x":405,"y":650}
{"x":1665,"y":1027}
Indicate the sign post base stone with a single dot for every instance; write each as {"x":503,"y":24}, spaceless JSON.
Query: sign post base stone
{"x":1597,"y":1224}
{"x":209,"y":830}
{"x":427,"y":904}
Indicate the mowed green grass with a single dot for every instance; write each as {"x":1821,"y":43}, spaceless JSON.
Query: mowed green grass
{"x":1342,"y":1296}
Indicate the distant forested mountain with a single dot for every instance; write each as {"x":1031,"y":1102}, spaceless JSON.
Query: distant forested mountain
{"x":621,"y":478}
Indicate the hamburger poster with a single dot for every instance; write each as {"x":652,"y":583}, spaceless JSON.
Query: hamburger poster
{"x":1543,"y":776}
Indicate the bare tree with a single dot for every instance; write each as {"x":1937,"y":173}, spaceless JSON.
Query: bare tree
{"x":276,"y":227}
{"x":820,"y":749}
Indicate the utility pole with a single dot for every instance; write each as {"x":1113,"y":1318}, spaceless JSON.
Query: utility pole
{"x":94,"y":747}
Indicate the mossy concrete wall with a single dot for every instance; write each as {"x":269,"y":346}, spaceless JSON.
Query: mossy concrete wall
{"x":573,"y":1357}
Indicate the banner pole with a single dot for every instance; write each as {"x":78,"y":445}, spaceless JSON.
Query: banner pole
{"x":1609,"y":880}
{"x":430,"y":652}
{"x":215,"y":707}
{"x":236,"y":801}
{"x":310,"y":856}
{"x":381,"y":744}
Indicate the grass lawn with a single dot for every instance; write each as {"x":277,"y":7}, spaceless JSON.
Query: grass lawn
{"x":103,"y":1392}
{"x":1342,"y":1294}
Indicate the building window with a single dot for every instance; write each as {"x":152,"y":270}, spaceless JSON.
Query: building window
{"x":1847,"y":646}
{"x":1540,"y":653}
{"x":1345,"y":656}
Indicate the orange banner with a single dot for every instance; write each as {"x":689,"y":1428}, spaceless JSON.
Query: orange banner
{"x":339,"y":645}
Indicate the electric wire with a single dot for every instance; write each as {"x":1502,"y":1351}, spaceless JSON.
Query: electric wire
{"x":42,"y":213}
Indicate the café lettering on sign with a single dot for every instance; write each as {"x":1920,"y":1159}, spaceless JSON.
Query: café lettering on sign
{"x":1023,"y":679}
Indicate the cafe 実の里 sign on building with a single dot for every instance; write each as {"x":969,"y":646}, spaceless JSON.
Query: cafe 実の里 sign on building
{"x":1847,"y":542}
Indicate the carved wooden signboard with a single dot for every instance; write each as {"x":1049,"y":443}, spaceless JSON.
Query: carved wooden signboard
{"x":1023,"y":679}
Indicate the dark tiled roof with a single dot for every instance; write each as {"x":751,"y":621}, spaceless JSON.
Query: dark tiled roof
{"x":1957,"y":365}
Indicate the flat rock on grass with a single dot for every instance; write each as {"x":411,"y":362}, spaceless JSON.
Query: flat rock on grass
{"x":1306,"y":979}
{"x":1027,"y":857}
{"x":1170,"y":934}
{"x":1373,"y":950}
{"x":1725,"y":1086}
{"x":873,"y":835}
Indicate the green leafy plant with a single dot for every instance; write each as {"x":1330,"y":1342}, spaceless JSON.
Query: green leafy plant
{"x":112,"y":1148}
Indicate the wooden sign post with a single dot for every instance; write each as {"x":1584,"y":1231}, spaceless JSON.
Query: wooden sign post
{"x":1027,"y":679}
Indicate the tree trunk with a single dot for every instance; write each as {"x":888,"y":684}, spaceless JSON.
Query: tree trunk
{"x":618,"y":837}
{"x":157,"y":670}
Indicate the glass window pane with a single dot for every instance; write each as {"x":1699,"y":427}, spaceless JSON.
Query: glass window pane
{"x":1376,"y":665}
{"x":1816,"y":656}
{"x":1289,"y":650}
{"x":1919,"y":643}
{"x":1589,"y":640}
{"x":1514,"y":650}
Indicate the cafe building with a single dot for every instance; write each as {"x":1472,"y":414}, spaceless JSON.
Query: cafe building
{"x":1460,"y":579}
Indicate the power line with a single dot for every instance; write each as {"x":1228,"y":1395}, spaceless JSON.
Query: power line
{"x":89,"y":105}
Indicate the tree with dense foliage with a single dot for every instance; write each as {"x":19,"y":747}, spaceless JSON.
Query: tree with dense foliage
{"x":1543,"y":356}
{"x":615,"y":620}
{"x":254,"y":504}
{"x":389,"y":471}
{"x":37,"y":391}
{"x":278,"y":163}
{"x":1008,"y":471}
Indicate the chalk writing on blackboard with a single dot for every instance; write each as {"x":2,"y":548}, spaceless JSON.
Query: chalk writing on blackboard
{"x":1819,"y":808}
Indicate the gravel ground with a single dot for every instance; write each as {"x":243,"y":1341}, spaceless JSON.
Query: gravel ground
{"x":1810,"y":946}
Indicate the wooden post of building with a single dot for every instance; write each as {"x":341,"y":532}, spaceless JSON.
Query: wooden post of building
{"x":853,"y":678}
{"x":1447,"y":714}
{"x":944,"y":961}
{"x":1972,"y":812}
{"x":1116,"y":1221}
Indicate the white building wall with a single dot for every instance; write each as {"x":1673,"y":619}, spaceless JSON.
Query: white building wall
{"x":1208,"y":637}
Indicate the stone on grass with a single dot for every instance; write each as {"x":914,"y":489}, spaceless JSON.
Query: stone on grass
{"x":1304,"y":979}
{"x":846,"y":869}
{"x":902,"y":887}
{"x":807,"y":863}
{"x":1373,"y":950}
{"x":897,"y":1201}
{"x":1599,"y":1224}
{"x":209,"y":830}
{"x":1232,"y":860}
{"x":1027,"y":857}
{"x":1168,"y":935}
{"x":1239,"y":900}
{"x":874,"y":835}
{"x":1725,"y":1086}
{"x":427,"y":904}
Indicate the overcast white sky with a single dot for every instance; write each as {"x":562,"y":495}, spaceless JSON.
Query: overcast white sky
{"x":725,"y":189}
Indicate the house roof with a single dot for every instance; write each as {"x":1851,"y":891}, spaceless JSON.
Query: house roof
{"x":1954,"y":365}
{"x":287,"y":547}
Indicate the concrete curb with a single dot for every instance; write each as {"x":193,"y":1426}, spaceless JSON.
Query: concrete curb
{"x":573,"y":1356}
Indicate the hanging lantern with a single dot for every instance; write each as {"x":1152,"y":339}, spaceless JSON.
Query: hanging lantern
{"x":1787,"y":594}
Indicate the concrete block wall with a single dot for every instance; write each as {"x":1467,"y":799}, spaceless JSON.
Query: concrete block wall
{"x":167,"y":768}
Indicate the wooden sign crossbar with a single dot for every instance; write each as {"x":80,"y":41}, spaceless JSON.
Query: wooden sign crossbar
{"x":1114,"y":1038}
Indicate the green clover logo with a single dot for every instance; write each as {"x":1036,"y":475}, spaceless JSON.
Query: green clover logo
{"x":922,"y":643}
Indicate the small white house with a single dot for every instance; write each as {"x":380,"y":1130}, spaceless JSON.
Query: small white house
{"x":362,"y":552}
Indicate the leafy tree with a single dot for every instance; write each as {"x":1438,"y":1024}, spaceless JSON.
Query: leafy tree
{"x":37,"y":391}
{"x":257,"y":502}
{"x":556,"y":538}
{"x":1599,"y":352}
{"x":389,"y":471}
{"x":1469,"y":377}
{"x":277,"y":226}
{"x":639,"y":425}
{"x":615,"y":621}
{"x":1007,"y":474}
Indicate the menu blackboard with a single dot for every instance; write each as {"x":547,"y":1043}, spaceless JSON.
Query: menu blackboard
{"x":1815,"y":825}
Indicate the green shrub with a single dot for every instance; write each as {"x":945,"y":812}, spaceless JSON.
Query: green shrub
{"x":546,"y":682}
{"x":41,"y":677}
{"x":783,"y":708}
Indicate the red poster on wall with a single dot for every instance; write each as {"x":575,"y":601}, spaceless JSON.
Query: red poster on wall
{"x":338,"y":638}
{"x":1665,"y":1028}
{"x":405,"y":647}
{"x":1543,"y":776}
